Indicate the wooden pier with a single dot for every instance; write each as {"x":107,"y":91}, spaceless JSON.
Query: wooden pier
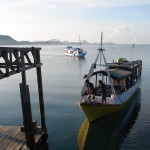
{"x":27,"y":136}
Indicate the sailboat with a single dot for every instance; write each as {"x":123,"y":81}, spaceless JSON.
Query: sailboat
{"x":75,"y":51}
{"x":121,"y":79}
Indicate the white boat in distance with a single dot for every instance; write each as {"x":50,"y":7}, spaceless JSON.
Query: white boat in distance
{"x":75,"y":52}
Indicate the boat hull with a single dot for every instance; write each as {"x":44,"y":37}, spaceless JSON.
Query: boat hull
{"x":96,"y":111}
{"x":91,"y":136}
{"x":76,"y":55}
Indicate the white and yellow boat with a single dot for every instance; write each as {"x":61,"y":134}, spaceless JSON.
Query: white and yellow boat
{"x":121,"y":78}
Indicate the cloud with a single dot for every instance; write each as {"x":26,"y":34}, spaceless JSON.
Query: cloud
{"x":25,"y":4}
{"x":120,"y":29}
{"x":121,"y":34}
{"x":86,"y":3}
{"x":103,"y":3}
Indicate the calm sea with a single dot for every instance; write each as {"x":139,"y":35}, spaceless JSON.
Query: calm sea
{"x":62,"y":84}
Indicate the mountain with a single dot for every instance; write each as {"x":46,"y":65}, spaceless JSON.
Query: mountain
{"x":7,"y":40}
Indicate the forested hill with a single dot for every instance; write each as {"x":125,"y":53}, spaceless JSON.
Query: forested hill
{"x":7,"y":40}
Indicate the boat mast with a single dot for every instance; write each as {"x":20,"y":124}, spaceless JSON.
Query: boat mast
{"x":93,"y":66}
{"x":133,"y":48}
{"x":109,"y":78}
{"x":80,"y":41}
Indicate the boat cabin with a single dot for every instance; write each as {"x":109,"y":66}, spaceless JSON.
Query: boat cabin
{"x":71,"y":50}
{"x":123,"y":76}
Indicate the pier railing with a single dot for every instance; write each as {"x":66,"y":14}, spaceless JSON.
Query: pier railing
{"x":15,"y":60}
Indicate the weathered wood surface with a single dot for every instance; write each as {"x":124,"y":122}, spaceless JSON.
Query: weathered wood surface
{"x":12,"y":138}
{"x":11,"y":62}
{"x":17,"y":60}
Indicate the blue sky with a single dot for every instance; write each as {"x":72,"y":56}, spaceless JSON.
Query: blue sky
{"x":121,"y":21}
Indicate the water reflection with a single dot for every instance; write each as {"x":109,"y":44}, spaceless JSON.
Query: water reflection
{"x":108,"y":133}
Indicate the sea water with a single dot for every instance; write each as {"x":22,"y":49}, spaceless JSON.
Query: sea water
{"x":62,"y":84}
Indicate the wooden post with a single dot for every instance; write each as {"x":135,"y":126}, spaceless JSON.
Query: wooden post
{"x":26,"y":108}
{"x":5,"y":56}
{"x":16,"y":55}
{"x":10,"y":57}
{"x":40,"y":91}
{"x":96,"y":81}
{"x":27,"y":116}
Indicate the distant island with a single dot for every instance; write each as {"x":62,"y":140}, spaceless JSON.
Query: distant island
{"x":7,"y":40}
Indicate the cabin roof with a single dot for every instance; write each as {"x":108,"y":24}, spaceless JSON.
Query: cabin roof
{"x":115,"y":73}
{"x":73,"y":48}
{"x":119,"y":70}
{"x":124,"y":65}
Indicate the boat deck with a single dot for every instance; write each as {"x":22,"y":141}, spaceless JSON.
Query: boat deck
{"x":97,"y":100}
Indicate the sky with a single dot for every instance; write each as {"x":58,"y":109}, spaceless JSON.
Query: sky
{"x":122,"y":22}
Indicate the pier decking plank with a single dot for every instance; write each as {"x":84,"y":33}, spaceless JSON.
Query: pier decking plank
{"x":3,"y":134}
{"x":12,"y":138}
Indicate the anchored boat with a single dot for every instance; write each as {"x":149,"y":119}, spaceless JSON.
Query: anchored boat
{"x":75,"y":52}
{"x":120,"y":79}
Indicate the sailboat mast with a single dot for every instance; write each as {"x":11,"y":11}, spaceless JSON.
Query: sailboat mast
{"x":133,"y":47}
{"x":101,"y":40}
{"x":80,"y":41}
